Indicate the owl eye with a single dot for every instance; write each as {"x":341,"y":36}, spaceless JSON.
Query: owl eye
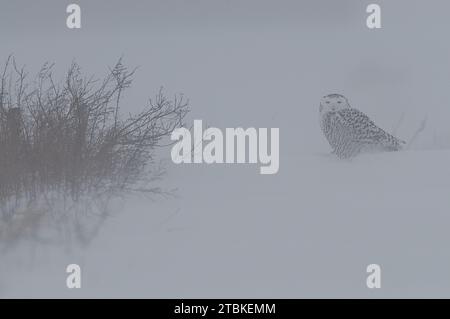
{"x":339,"y":102}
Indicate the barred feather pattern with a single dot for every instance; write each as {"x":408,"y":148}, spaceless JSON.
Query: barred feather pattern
{"x":351,"y":132}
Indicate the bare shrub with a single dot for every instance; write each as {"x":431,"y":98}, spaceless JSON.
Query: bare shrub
{"x":66,"y":147}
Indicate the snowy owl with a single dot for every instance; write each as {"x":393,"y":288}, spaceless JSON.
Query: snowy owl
{"x":350,"y":132}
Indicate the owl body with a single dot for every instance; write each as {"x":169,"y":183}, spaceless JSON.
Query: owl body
{"x":351,"y":132}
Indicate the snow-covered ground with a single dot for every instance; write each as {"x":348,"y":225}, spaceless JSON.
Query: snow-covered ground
{"x":265,"y":240}
{"x":311,"y":229}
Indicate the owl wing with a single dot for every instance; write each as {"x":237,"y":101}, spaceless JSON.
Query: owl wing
{"x":364,"y":130}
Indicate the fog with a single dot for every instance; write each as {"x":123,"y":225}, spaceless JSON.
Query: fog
{"x":225,"y":230}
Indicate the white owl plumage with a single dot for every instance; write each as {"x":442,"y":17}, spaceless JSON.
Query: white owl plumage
{"x":351,"y":132}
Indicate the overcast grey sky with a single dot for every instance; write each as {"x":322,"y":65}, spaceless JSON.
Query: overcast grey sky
{"x":261,"y":63}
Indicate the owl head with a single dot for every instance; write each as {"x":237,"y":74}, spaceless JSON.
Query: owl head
{"x":333,"y":103}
